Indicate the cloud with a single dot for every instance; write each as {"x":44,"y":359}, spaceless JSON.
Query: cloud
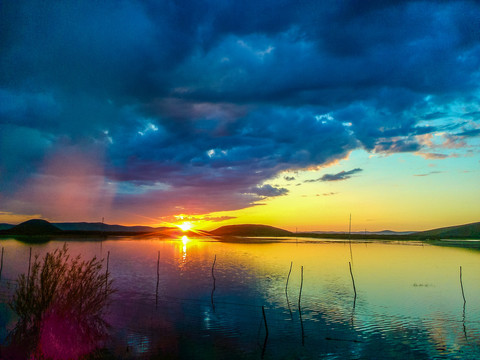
{"x":470,"y":133}
{"x":269,"y":191}
{"x":177,"y":218}
{"x":396,"y":146}
{"x":191,"y":105}
{"x":12,"y":218}
{"x":289,"y":178}
{"x":217,"y":218}
{"x":328,"y":194}
{"x":432,"y":156}
{"x":429,"y":173}
{"x":342,"y":175}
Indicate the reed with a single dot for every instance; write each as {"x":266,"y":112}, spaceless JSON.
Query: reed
{"x":29,"y":264}
{"x":68,"y":292}
{"x":461,"y":286}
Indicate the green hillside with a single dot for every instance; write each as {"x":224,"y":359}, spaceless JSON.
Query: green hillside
{"x":250,"y":230}
{"x":460,"y":231}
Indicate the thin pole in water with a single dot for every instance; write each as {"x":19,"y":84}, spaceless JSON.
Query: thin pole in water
{"x":349,"y":238}
{"x":286,"y":288}
{"x":265,"y":321}
{"x":300,"y":307}
{"x":266,"y":332}
{"x":353,"y":280}
{"x":213,"y":265}
{"x":288,"y":277}
{"x":301,"y":286}
{"x":214,"y":280}
{"x":461,"y":285}
{"x":350,"y":227}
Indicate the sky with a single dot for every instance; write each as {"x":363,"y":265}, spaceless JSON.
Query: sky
{"x":293,"y":114}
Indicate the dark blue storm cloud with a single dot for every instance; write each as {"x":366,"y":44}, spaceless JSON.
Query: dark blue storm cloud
{"x":191,"y":106}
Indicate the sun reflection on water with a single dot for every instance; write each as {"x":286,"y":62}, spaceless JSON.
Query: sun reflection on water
{"x":185,"y":240}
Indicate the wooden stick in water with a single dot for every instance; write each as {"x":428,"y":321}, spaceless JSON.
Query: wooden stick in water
{"x":265,"y":321}
{"x":349,"y":238}
{"x":286,"y":289}
{"x":214,"y":281}
{"x":266,"y":332}
{"x":288,"y":277}
{"x":301,"y":286}
{"x":461,"y":285}
{"x":213,"y":265}
{"x":353,"y":280}
{"x":300,"y":307}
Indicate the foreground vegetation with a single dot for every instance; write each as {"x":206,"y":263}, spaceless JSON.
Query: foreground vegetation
{"x":60,"y":304}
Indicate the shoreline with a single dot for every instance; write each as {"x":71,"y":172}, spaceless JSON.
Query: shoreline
{"x":464,"y":242}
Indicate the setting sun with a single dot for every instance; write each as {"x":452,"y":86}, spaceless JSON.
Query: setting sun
{"x":185,"y":226}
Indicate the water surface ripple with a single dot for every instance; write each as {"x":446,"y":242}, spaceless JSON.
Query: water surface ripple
{"x":408,"y":304}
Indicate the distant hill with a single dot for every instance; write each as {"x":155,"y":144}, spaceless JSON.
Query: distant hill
{"x":33,"y":227}
{"x":460,"y":231}
{"x":382,"y":232}
{"x":389,"y":232}
{"x":98,"y":226}
{"x":42,"y":227}
{"x":4,"y":226}
{"x":250,"y":230}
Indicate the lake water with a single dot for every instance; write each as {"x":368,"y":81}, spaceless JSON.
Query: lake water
{"x":409,"y":302}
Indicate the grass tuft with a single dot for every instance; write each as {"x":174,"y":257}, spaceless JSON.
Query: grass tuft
{"x":61,"y":305}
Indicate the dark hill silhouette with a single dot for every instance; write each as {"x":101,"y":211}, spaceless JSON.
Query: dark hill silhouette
{"x":34,"y":227}
{"x":4,"y":226}
{"x":40,"y":227}
{"x":250,"y":230}
{"x":460,"y":231}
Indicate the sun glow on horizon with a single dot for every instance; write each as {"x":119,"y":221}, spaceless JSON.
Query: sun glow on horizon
{"x":185,"y":226}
